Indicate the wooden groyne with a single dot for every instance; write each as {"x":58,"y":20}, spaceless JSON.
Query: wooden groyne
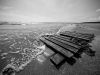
{"x":69,"y":45}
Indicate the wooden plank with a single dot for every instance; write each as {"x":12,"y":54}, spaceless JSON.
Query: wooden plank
{"x":66,"y":46}
{"x":75,"y":37}
{"x":68,"y":40}
{"x":63,"y":40}
{"x":57,"y":48}
{"x":84,"y":36}
{"x":70,"y":61}
{"x":77,"y":33}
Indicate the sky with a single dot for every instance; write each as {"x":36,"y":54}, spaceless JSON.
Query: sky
{"x":49,"y":10}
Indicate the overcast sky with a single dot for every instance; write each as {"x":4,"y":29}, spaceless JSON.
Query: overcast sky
{"x":50,"y":10}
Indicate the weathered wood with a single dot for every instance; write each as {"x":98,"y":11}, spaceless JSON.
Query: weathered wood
{"x":63,"y":40}
{"x":68,"y":56}
{"x":82,"y":36}
{"x":66,"y":46}
{"x":77,"y":34}
{"x":70,"y":61}
{"x":77,"y":51}
{"x":56,"y":48}
{"x":68,"y":39}
{"x":72,"y":40}
{"x":70,"y":45}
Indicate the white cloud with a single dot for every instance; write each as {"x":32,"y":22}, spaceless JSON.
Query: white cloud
{"x":94,"y":19}
{"x":98,"y":10}
{"x":5,"y":7}
{"x":47,"y":10}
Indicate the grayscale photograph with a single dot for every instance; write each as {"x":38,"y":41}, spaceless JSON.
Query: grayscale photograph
{"x":49,"y":37}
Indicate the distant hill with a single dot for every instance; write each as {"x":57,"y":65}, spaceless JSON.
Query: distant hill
{"x":9,"y":23}
{"x":91,"y":22}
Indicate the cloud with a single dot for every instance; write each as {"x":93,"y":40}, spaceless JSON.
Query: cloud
{"x":94,"y":19}
{"x":14,"y":17}
{"x":98,"y":10}
{"x":5,"y":7}
{"x":89,"y":18}
{"x":11,"y":16}
{"x":48,"y":10}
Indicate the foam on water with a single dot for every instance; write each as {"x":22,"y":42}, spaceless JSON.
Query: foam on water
{"x":69,"y":27}
{"x":18,"y":65}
